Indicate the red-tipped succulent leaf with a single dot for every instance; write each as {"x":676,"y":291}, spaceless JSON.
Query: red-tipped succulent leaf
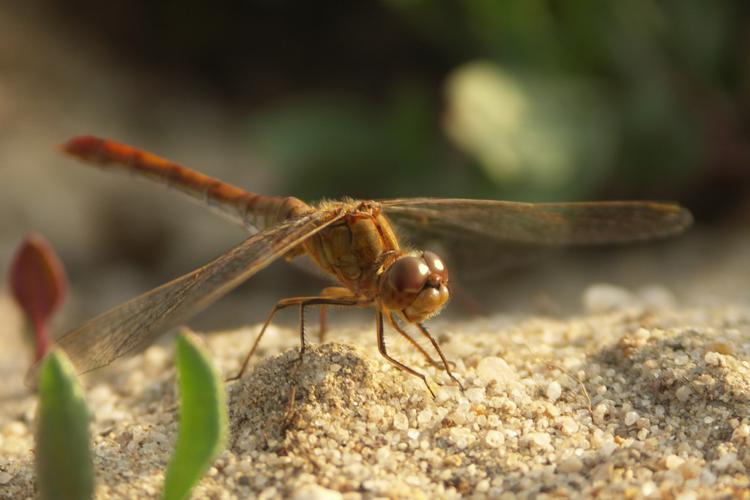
{"x":38,"y":284}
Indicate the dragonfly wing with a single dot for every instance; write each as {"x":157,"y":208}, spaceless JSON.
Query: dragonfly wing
{"x":134,"y":325}
{"x":583,"y":223}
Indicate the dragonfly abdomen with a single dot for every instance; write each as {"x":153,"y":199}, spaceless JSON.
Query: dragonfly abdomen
{"x":263,"y":211}
{"x":254,"y":211}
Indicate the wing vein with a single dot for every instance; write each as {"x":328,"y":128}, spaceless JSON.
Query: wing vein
{"x":131,"y":326}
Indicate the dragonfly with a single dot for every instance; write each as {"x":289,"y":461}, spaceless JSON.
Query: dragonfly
{"x":354,"y":242}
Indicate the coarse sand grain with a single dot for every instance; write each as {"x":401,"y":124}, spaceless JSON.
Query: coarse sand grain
{"x":633,"y":402}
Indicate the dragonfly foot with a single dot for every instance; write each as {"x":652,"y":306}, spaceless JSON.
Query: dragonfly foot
{"x":292,"y":399}
{"x":458,"y":382}
{"x":427,"y":384}
{"x":439,"y":364}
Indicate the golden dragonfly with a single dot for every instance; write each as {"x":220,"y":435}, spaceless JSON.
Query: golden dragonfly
{"x":354,"y":242}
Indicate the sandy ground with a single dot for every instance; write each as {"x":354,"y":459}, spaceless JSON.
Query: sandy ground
{"x":645,"y":393}
{"x":638,"y":400}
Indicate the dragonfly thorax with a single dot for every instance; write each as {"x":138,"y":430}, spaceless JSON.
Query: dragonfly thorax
{"x":415,"y":285}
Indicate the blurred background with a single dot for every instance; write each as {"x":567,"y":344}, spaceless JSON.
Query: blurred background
{"x":533,"y":100}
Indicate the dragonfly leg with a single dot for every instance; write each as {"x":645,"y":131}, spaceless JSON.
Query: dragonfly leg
{"x":394,"y":362}
{"x":282,"y":304}
{"x":279,"y":305}
{"x":392,"y":321}
{"x":334,"y":292}
{"x":301,"y":332}
{"x":289,"y":413}
{"x":435,"y":344}
{"x":323,"y":302}
{"x":323,"y":323}
{"x":291,"y":400}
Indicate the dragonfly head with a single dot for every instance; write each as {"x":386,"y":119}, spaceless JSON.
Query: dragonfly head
{"x":415,"y":285}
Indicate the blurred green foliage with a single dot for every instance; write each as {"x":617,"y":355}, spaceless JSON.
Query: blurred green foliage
{"x":204,"y":426}
{"x":515,"y":99}
{"x":543,"y":100}
{"x":332,"y":147}
{"x":63,"y":455}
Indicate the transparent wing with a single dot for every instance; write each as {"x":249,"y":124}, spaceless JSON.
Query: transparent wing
{"x":134,"y":325}
{"x":539,"y":223}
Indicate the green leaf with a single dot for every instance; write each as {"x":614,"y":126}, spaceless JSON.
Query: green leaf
{"x":63,"y":457}
{"x":203,"y":419}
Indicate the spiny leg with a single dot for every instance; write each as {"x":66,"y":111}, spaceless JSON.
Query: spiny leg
{"x":394,"y":323}
{"x":276,"y":308}
{"x":334,"y":292}
{"x":302,"y":342}
{"x":323,"y":302}
{"x":394,"y":362}
{"x":323,"y":323}
{"x":284,"y":303}
{"x":435,"y":344}
{"x":292,"y":397}
{"x":291,"y":400}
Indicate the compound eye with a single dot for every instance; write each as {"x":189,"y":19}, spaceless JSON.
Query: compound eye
{"x":409,"y":274}
{"x":436,"y":265}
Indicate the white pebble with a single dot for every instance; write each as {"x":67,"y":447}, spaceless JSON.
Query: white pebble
{"x":446,"y":393}
{"x":554,"y":391}
{"x":741,"y":432}
{"x":649,"y":488}
{"x":376,"y":412}
{"x":495,"y":439}
{"x":687,"y":495}
{"x":600,"y":412}
{"x":15,"y":428}
{"x":681,"y":359}
{"x":424,"y":417}
{"x":725,"y":460}
{"x":673,"y":461}
{"x":156,"y":356}
{"x":461,"y":437}
{"x":5,"y":477}
{"x":712,"y":358}
{"x":383,"y":454}
{"x":400,"y":421}
{"x":540,"y":439}
{"x":315,"y":492}
{"x":494,"y":368}
{"x":475,"y":394}
{"x":607,"y":448}
{"x":683,"y":393}
{"x":642,"y":334}
{"x":571,"y":464}
{"x":483,"y":486}
{"x":631,"y":417}
{"x":413,"y":480}
{"x":568,"y":425}
{"x":657,"y":297}
{"x":708,"y":477}
{"x":603,"y":297}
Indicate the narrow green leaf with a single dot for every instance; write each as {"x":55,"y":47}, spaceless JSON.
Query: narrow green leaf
{"x":203,"y":425}
{"x":63,"y":455}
